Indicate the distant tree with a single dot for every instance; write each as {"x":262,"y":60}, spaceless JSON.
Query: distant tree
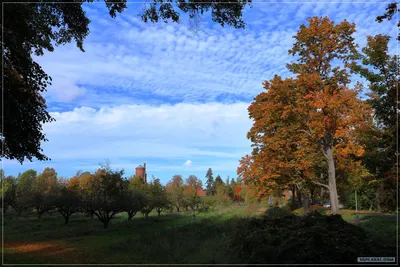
{"x":44,"y":191}
{"x":176,"y":187}
{"x":133,"y":201}
{"x":8,"y":191}
{"x":149,"y":203}
{"x":67,"y":200}
{"x":218,"y":181}
{"x":108,"y":197}
{"x":88,"y":185}
{"x":23,"y":198}
{"x":73,"y":183}
{"x":161,"y":200}
{"x":210,"y":184}
{"x":193,"y":185}
{"x":228,"y":189}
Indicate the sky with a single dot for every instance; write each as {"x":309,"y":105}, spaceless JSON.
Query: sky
{"x":172,"y":95}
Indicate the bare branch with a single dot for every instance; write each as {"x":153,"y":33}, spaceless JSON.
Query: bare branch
{"x":304,"y":131}
{"x":318,"y":183}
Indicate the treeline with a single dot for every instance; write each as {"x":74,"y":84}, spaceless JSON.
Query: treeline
{"x":106,"y":192}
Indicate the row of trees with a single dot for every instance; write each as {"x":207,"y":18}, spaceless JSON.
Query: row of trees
{"x":315,"y":130}
{"x":103,"y":194}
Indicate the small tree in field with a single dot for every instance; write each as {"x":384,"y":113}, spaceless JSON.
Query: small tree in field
{"x":175,"y":189}
{"x":44,"y":191}
{"x":161,"y":200}
{"x":108,"y":197}
{"x":133,"y":201}
{"x":8,"y":191}
{"x":67,"y":200}
{"x":193,"y":184}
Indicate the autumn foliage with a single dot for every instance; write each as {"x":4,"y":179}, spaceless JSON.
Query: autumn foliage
{"x":305,"y":127}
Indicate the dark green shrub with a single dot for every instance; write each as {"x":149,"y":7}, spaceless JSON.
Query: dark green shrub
{"x":279,"y":237}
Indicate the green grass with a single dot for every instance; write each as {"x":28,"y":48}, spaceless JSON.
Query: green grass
{"x":170,"y":238}
{"x":381,"y":229}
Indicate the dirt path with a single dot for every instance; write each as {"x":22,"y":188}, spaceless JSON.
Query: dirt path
{"x":50,"y":251}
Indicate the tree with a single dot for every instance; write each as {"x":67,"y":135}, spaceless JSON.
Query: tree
{"x":8,"y":191}
{"x":176,"y":187}
{"x":391,"y":10}
{"x":161,"y":201}
{"x":44,"y":191}
{"x":67,"y":200}
{"x":300,"y":121}
{"x":88,"y":185}
{"x":218,"y":180}
{"x":210,"y":184}
{"x":333,"y":112}
{"x":193,"y":184}
{"x":41,"y":26}
{"x":108,"y":197}
{"x":381,"y":71}
{"x":23,"y":194}
{"x":133,"y":200}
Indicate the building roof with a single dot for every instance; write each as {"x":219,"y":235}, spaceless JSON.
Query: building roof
{"x":201,"y":192}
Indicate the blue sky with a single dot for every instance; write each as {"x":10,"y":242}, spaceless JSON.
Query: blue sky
{"x":170,"y":96}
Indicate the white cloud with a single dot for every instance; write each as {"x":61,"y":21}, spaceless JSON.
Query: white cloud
{"x":174,"y":131}
{"x":188,"y":163}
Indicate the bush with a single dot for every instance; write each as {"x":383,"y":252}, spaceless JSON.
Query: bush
{"x":281,"y":237}
{"x":276,"y":212}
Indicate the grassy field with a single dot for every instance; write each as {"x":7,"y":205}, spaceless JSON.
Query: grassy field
{"x":170,"y":238}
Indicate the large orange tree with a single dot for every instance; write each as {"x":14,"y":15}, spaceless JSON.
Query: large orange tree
{"x":310,"y":121}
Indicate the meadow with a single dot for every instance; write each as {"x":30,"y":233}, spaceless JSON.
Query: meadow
{"x":175,"y":238}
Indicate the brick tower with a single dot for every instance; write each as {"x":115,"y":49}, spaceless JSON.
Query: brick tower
{"x":141,"y":172}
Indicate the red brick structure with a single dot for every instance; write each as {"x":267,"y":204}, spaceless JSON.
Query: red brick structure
{"x":141,"y":172}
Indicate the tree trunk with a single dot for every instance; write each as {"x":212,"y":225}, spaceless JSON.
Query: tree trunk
{"x":306,"y":203}
{"x":177,"y":208}
{"x":146,"y":215}
{"x":333,"y":195}
{"x":312,"y":195}
{"x":293,"y":199}
{"x":105,"y":223}
{"x":299,"y":202}
{"x":130,"y":215}
{"x":378,"y":201}
{"x":66,"y":219}
{"x":159,"y":212}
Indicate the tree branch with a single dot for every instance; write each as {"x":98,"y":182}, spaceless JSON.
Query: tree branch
{"x":318,"y":183}
{"x":304,"y":131}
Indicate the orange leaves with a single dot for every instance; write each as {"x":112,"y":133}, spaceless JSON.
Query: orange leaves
{"x":73,"y":183}
{"x":295,"y":118}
